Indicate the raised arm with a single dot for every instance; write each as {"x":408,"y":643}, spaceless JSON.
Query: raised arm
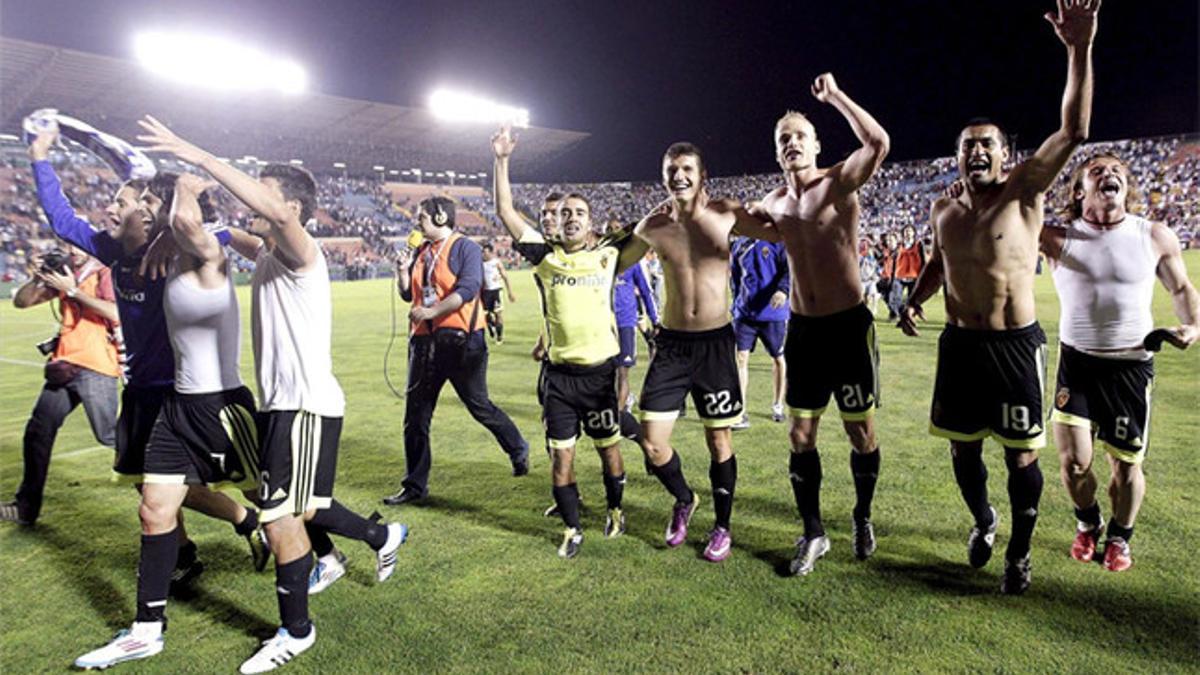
{"x":1172,"y":272}
{"x":503,"y":143}
{"x":187,"y":221}
{"x":862,"y":163}
{"x":1075,"y":25}
{"x":750,"y":220}
{"x":298,"y":249}
{"x":63,"y":219}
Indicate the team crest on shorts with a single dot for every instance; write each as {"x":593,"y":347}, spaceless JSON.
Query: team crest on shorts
{"x":1061,"y":398}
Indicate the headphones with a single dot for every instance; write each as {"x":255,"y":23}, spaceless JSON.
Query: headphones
{"x":440,"y":217}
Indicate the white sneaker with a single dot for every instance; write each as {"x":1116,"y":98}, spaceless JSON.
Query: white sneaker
{"x":777,"y":412}
{"x":329,"y":568}
{"x":385,"y":563}
{"x":278,"y":651}
{"x":142,"y":640}
{"x":743,"y":423}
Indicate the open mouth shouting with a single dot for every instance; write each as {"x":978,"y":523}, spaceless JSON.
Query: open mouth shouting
{"x":978,"y":166}
{"x":1110,"y":186}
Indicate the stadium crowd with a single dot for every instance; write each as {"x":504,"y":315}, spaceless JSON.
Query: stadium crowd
{"x":359,"y":220}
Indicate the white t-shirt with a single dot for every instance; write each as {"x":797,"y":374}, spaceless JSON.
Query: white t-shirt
{"x":492,"y":281}
{"x":293,"y":334}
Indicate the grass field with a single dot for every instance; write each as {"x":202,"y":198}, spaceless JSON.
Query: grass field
{"x":480,"y":589}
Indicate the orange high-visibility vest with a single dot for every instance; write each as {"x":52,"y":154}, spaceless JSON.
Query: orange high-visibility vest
{"x":84,"y":336}
{"x":443,"y":280}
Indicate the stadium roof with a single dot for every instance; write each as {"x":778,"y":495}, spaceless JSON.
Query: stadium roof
{"x":111,"y":94}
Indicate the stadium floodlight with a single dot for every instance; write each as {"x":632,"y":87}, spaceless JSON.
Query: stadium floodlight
{"x":8,"y":137}
{"x":451,"y":174}
{"x":216,"y":63}
{"x":454,"y":106}
{"x":393,"y":172}
{"x":296,"y":162}
{"x":339,"y":165}
{"x":379,"y":167}
{"x":416,"y":172}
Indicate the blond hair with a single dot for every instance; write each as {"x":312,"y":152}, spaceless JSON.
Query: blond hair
{"x":1073,"y":207}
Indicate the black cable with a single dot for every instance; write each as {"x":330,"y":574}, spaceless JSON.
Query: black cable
{"x":391,"y":341}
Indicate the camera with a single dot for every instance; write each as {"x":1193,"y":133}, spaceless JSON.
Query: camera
{"x":47,"y":347}
{"x":56,"y":260}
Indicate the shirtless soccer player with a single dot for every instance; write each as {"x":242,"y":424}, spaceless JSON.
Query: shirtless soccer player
{"x":578,"y":383}
{"x":831,"y":346}
{"x":1105,"y":261}
{"x":696,"y":348}
{"x":991,"y":356}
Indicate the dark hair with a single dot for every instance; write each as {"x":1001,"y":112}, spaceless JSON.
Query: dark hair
{"x":684,"y":148}
{"x":163,"y":187}
{"x":138,"y":185}
{"x":576,"y":195}
{"x":295,"y":183}
{"x":553,"y":197}
{"x":439,"y":207}
{"x":487,"y":246}
{"x":1006,"y":141}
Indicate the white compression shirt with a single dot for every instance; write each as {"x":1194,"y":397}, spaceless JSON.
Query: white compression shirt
{"x":492,"y":280}
{"x":206,"y":333}
{"x":1105,"y":282}
{"x":293,"y":334}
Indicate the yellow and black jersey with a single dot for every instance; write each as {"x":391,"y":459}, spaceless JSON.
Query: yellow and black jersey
{"x":576,"y":291}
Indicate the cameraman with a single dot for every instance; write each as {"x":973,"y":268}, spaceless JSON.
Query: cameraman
{"x":442,"y":279}
{"x":82,"y":368}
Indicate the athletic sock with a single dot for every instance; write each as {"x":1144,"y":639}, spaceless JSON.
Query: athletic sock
{"x":614,"y":490}
{"x":1090,"y":515}
{"x":1024,"y":492}
{"x":805,"y":470}
{"x":248,"y":525}
{"x":864,"y":466}
{"x":629,"y":426}
{"x":345,"y":523}
{"x":972,"y":474}
{"x":291,"y":590}
{"x":322,"y":545}
{"x":155,"y":564}
{"x":671,"y":476}
{"x":499,"y":331}
{"x":566,"y":497}
{"x":724,"y":481}
{"x":1115,"y":530}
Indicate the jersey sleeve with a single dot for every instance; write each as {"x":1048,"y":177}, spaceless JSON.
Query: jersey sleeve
{"x":532,"y":246}
{"x":65,"y":222}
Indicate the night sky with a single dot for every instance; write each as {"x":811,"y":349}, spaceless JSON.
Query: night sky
{"x":640,"y":75}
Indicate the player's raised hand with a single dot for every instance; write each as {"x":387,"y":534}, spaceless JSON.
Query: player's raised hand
{"x":824,"y":87}
{"x":39,"y":149}
{"x":503,"y":142}
{"x":158,"y":256}
{"x":192,"y":184}
{"x":908,"y":319}
{"x":1075,"y":23}
{"x":955,"y":189}
{"x":161,"y":139}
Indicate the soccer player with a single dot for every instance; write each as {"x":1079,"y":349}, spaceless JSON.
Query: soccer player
{"x":494,"y":279}
{"x":831,"y":345}
{"x":1104,"y":263}
{"x":991,"y":356}
{"x":205,"y":433}
{"x":578,"y":379}
{"x":695,"y":348}
{"x":759,"y":280}
{"x":302,"y":402}
{"x":150,"y":361}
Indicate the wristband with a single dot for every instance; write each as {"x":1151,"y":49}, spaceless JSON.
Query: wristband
{"x":220,"y":232}
{"x":73,"y":292}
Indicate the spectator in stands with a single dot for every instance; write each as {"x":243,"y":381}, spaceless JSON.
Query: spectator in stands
{"x":82,"y":367}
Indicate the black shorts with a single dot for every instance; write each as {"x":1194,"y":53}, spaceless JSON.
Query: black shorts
{"x":299,"y":462}
{"x":205,"y":439}
{"x":990,"y":383}
{"x":703,"y":363}
{"x":491,"y":299}
{"x":139,"y":410}
{"x":575,"y":396}
{"x":626,"y":338}
{"x":834,"y":355}
{"x":1111,"y":396}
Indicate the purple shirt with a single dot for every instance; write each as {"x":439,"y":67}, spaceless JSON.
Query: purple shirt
{"x":148,"y":353}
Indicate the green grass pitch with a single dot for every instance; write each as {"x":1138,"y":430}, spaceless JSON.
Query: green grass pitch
{"x":480,"y":589}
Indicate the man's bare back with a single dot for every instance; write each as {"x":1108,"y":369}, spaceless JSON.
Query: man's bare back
{"x":819,"y":227}
{"x":694,"y":250}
